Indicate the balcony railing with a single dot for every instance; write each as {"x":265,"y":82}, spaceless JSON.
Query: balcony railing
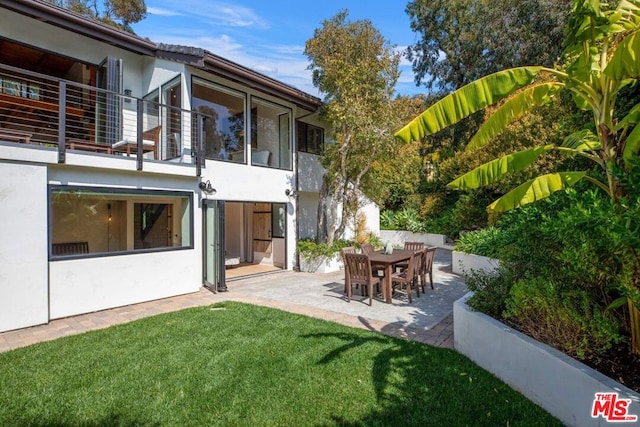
{"x":40,"y":110}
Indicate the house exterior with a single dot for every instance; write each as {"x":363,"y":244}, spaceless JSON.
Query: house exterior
{"x":133,"y":171}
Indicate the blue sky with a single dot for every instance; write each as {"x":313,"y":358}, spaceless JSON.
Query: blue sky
{"x":269,"y":35}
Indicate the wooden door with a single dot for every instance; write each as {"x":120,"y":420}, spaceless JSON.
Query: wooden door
{"x":262,"y":227}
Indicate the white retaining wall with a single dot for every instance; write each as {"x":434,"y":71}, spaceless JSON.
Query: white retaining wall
{"x":563,"y":386}
{"x":398,"y":237}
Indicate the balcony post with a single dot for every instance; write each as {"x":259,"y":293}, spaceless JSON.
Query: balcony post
{"x":199,"y":144}
{"x":62,"y":120}
{"x":139,"y":131}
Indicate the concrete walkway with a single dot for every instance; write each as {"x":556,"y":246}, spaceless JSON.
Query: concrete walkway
{"x":427,"y":319}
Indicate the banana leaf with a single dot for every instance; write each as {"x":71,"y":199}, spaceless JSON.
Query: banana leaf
{"x":535,"y":189}
{"x":512,"y":110}
{"x":625,"y":62}
{"x":583,"y":140}
{"x":631,"y":145}
{"x":466,"y":101}
{"x":630,"y":119}
{"x":495,"y":169}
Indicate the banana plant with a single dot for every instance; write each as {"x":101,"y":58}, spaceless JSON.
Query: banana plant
{"x":603,"y":56}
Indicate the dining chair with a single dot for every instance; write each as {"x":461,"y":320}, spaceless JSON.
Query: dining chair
{"x":343,"y":251}
{"x":407,"y":276}
{"x":410,"y":246}
{"x":367,"y":248}
{"x":358,"y":269}
{"x":426,"y":266}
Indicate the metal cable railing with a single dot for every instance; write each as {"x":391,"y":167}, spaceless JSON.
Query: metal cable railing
{"x":41,"y":110}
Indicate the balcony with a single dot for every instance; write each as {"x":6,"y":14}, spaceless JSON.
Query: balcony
{"x":36,"y":109}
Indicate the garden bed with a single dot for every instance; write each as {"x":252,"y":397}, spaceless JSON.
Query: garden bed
{"x":561,"y":385}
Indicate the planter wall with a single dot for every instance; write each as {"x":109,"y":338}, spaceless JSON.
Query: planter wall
{"x":463,"y":263}
{"x":321,"y":264}
{"x":561,"y":385}
{"x":398,"y":237}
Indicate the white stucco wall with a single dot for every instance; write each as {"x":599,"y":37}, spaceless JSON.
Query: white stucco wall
{"x":91,"y":284}
{"x":23,"y":247}
{"x":310,"y":173}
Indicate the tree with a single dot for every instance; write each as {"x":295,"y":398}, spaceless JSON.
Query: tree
{"x":460,"y":41}
{"x":117,"y":13}
{"x":356,"y":69}
{"x":601,"y":47}
{"x":463,"y":40}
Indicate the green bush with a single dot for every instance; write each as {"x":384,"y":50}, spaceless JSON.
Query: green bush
{"x":486,"y":242}
{"x":309,"y":249}
{"x":491,"y":290}
{"x":567,"y":319}
{"x":405,"y":219}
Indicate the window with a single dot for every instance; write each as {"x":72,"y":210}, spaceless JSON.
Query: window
{"x":278,"y":219}
{"x":310,"y":138}
{"x":224,"y":130}
{"x":172,"y":119}
{"x":99,"y":221}
{"x":270,"y":135}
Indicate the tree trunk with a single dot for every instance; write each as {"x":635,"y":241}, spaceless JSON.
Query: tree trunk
{"x":322,"y":233}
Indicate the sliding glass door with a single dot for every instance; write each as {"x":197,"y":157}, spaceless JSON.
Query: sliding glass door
{"x":213,"y":258}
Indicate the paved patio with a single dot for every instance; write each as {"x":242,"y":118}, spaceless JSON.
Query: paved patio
{"x":428,"y":319}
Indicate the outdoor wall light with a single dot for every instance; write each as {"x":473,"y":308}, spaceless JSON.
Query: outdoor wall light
{"x":207,"y":187}
{"x":127,"y":93}
{"x":290,"y":192}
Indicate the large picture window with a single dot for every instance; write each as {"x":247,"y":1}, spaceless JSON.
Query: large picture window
{"x":270,"y":135}
{"x":101,"y":221}
{"x":310,"y":138}
{"x":224,"y":129}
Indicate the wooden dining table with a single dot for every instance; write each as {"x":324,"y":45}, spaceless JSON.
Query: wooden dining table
{"x":379,"y":258}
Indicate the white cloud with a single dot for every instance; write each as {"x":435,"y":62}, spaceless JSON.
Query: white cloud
{"x":216,"y":13}
{"x":162,"y":12}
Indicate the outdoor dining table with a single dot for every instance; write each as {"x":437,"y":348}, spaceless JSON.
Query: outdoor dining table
{"x":379,"y":258}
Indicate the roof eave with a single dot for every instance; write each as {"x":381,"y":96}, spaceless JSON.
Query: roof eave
{"x":79,"y":24}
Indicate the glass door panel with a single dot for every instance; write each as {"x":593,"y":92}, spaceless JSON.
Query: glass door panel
{"x":213,"y":262}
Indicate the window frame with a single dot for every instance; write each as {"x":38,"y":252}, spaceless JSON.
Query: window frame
{"x":132,"y":193}
{"x":305,"y":149}
{"x":195,"y":79}
{"x":254,"y":131}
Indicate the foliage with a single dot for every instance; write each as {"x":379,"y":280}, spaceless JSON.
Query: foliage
{"x":356,"y":69}
{"x":405,"y":219}
{"x":117,"y":13}
{"x":602,"y":42}
{"x":593,"y":77}
{"x":491,"y":290}
{"x":463,"y":40}
{"x":309,"y":249}
{"x":567,"y":319}
{"x":484,"y":242}
{"x":263,"y":367}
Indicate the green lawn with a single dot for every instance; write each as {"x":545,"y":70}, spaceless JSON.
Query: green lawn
{"x":237,"y":364}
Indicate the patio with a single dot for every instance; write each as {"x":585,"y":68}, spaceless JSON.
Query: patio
{"x":428,"y":319}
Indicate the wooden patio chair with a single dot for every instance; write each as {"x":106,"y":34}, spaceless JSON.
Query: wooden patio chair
{"x":426,"y":267}
{"x":367,"y":248}
{"x":410,"y":246}
{"x":406,"y":277}
{"x":343,"y":251}
{"x":358,"y":269}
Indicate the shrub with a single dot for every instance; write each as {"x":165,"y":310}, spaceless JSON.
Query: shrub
{"x":310,"y":250}
{"x":567,"y":319}
{"x":486,"y":242}
{"x":491,"y":290}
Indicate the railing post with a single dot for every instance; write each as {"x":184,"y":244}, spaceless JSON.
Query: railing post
{"x":139,"y":131}
{"x":199,"y":144}
{"x":62,"y":120}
